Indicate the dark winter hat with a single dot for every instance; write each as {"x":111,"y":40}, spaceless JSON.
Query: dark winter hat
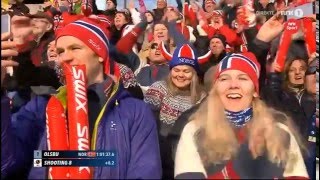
{"x":115,"y":3}
{"x":221,"y":37}
{"x":150,"y":12}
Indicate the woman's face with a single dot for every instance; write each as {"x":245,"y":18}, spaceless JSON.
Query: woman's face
{"x":209,"y":6}
{"x":51,"y":52}
{"x":181,"y":76}
{"x":297,"y":72}
{"x":160,"y":33}
{"x":119,"y":20}
{"x":235,"y":89}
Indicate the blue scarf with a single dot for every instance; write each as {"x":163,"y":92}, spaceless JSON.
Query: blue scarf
{"x":239,"y":119}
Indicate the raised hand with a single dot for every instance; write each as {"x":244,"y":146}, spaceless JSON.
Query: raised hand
{"x":8,"y":49}
{"x":21,"y":29}
{"x":131,"y":4}
{"x":195,"y":7}
{"x":271,"y":28}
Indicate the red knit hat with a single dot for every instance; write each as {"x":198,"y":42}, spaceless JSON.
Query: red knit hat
{"x":245,"y":62}
{"x":92,"y":32}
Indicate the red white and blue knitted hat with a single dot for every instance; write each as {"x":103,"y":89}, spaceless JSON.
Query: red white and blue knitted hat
{"x":183,"y":55}
{"x":245,"y":62}
{"x":92,"y":32}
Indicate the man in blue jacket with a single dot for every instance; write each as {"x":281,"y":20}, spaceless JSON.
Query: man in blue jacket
{"x":117,"y":121}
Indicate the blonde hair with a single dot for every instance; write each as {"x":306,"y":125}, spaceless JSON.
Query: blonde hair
{"x":217,"y":142}
{"x":195,"y":90}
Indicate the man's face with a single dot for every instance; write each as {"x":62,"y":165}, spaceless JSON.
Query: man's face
{"x":155,"y":54}
{"x":40,"y":26}
{"x":161,"y":4}
{"x":73,"y":51}
{"x":216,"y":46}
{"x":110,"y":5}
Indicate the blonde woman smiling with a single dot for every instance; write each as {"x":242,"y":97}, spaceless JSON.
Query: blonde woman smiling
{"x":234,"y":135}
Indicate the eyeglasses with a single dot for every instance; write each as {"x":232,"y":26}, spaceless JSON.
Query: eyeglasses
{"x":312,"y":70}
{"x":154,"y":46}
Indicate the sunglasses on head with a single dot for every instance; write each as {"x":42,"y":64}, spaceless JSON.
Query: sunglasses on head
{"x":125,"y":11}
{"x":312,"y":70}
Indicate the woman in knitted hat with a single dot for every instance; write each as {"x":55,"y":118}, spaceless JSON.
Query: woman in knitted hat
{"x":179,"y":92}
{"x":234,"y":135}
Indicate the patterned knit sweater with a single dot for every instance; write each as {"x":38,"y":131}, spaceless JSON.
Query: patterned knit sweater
{"x":168,"y":106}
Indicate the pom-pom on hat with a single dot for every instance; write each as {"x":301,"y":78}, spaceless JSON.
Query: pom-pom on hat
{"x":245,"y":62}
